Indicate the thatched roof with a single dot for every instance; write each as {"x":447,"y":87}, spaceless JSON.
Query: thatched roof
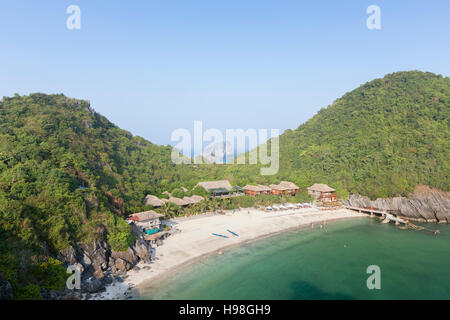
{"x":258,"y":188}
{"x":146,"y":215}
{"x":321,"y":187}
{"x":153,"y":201}
{"x":166,"y":193}
{"x":252,"y":188}
{"x":184,"y":189}
{"x":284,"y":185}
{"x":193,"y":199}
{"x":263,"y":187}
{"x":177,"y":201}
{"x":220,"y":184}
{"x":288,"y":185}
{"x":197,"y":198}
{"x":188,"y":200}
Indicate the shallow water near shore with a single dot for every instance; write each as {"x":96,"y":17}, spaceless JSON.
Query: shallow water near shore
{"x":327,"y":263}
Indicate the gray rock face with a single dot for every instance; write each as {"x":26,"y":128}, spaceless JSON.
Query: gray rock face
{"x":429,"y":206}
{"x":142,"y":250}
{"x":68,"y":255}
{"x":99,"y":265}
{"x":93,"y":285}
{"x":6,"y":291}
{"x":95,"y":254}
{"x":123,"y":261}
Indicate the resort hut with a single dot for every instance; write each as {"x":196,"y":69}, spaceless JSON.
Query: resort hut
{"x":252,"y":190}
{"x":264,"y":189}
{"x":167,"y":193}
{"x":184,"y":189}
{"x":189,"y":200}
{"x":146,"y":219}
{"x":197,"y":199}
{"x":322,"y":192}
{"x":179,"y":202}
{"x":284,"y":187}
{"x":153,"y":201}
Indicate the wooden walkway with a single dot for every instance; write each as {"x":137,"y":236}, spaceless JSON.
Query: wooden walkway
{"x":388,"y":216}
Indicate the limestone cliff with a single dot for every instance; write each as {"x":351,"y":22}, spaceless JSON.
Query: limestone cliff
{"x":424,"y":204}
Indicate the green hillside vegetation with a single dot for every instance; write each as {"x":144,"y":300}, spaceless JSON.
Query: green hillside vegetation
{"x":68,"y":175}
{"x":379,"y":140}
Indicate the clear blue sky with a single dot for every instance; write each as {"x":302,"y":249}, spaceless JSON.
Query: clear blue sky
{"x":154,"y":66}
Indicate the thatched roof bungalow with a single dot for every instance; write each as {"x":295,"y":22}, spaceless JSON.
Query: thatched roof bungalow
{"x":177,"y":201}
{"x":153,"y":201}
{"x":197,"y":198}
{"x":284,"y":187}
{"x":322,"y":192}
{"x":147,"y":219}
{"x":256,"y":190}
{"x":144,"y":216}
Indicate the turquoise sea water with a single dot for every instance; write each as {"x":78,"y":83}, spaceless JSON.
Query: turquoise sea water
{"x":328,"y":263}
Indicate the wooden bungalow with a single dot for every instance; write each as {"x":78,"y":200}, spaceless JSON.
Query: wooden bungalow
{"x":322,"y":192}
{"x":153,"y":201}
{"x":197,"y":198}
{"x":256,"y":190}
{"x":265,"y":189}
{"x":146,"y":219}
{"x":284,"y":187}
{"x":179,"y":202}
{"x":192,"y":200}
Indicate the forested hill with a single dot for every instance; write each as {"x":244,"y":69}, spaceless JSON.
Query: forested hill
{"x":68,"y":175}
{"x":379,"y":140}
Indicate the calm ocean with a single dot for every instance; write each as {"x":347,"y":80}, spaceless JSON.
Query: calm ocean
{"x":328,"y":263}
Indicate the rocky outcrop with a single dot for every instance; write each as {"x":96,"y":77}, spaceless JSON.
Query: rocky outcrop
{"x":95,"y":254}
{"x":424,"y":204}
{"x":123,"y":261}
{"x":99,"y":265}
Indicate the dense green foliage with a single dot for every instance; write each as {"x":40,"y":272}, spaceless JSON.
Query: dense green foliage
{"x":68,"y":175}
{"x":381,"y":139}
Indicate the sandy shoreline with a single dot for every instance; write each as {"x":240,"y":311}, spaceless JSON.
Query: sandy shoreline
{"x":195,"y":241}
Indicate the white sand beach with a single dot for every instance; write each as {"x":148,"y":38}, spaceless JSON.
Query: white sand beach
{"x":195,"y":240}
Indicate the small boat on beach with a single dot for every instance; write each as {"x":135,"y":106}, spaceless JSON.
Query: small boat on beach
{"x":234,"y":234}
{"x":219,"y":235}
